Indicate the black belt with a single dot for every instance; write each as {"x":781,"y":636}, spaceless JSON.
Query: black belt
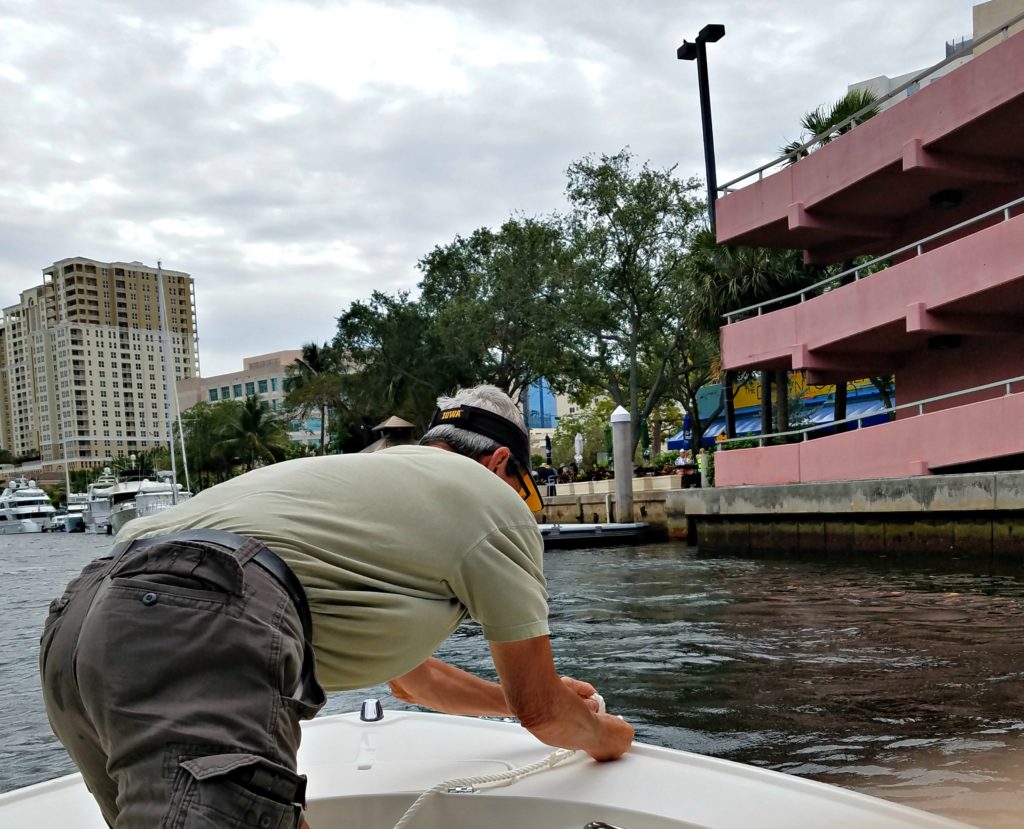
{"x":264,"y":557}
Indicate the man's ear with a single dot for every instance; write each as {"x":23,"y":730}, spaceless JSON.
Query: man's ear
{"x":497,"y":461}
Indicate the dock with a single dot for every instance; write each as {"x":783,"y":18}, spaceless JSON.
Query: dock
{"x":562,"y":536}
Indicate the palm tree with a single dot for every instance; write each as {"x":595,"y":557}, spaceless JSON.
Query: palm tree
{"x":820,"y":121}
{"x":313,"y":383}
{"x":723,"y":278}
{"x":205,"y":425}
{"x":256,"y":434}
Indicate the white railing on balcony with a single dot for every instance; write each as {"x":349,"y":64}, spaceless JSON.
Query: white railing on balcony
{"x":864,"y":269}
{"x":855,"y":119}
{"x":806,"y":431}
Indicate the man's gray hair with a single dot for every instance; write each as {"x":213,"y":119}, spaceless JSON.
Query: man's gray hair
{"x":471,"y":444}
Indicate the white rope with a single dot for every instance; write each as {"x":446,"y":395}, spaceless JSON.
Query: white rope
{"x":502,"y":778}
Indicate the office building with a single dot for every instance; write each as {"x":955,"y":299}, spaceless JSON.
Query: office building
{"x":262,"y":376}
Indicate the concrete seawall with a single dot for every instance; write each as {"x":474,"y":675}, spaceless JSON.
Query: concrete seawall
{"x":978,"y":515}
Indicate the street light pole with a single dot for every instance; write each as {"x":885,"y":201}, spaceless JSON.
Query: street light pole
{"x":697,"y":51}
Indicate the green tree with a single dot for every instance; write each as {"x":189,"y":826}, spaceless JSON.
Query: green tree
{"x":590,"y":422}
{"x":257,"y":435}
{"x":629,"y":230}
{"x":495,"y":303}
{"x":204,"y":427}
{"x":664,"y":422}
{"x":723,"y":278}
{"x":313,"y":383}
{"x":398,"y":362}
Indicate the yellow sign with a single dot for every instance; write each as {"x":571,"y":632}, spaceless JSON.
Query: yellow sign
{"x":749,"y":394}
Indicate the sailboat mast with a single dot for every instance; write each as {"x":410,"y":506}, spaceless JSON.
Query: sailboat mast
{"x":165,"y":348}
{"x":67,"y":473}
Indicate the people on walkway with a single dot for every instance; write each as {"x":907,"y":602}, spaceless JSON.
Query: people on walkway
{"x":176,"y":669}
{"x":549,"y":478}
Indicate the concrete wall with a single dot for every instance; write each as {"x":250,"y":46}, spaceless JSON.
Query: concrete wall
{"x":999,"y":540}
{"x":973,"y":515}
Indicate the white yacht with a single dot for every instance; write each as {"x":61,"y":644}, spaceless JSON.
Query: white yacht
{"x":136,"y":499}
{"x":72,"y":519}
{"x":25,"y":508}
{"x":97,"y":508}
{"x":384,"y":769}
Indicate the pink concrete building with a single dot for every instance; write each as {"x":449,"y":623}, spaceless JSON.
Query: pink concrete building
{"x":935,"y":184}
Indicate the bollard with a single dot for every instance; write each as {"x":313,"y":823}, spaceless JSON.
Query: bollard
{"x":623,"y":466}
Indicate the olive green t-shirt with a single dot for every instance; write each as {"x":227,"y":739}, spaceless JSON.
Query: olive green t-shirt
{"x":394,"y":549}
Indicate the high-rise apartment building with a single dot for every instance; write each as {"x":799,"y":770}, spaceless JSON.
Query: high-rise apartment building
{"x":82,"y":361}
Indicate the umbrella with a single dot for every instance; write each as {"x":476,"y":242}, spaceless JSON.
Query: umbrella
{"x":547,"y":447}
{"x":578,"y":447}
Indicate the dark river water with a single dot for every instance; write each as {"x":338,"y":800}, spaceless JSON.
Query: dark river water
{"x":902,"y":681}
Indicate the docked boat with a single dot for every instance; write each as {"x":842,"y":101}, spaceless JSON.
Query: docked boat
{"x":378,"y":770}
{"x":591,"y":535}
{"x":97,"y":506}
{"x":137,"y":499}
{"x":72,"y":519}
{"x":25,"y":508}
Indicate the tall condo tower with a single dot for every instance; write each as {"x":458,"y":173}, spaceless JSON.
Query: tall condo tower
{"x":81,"y":364}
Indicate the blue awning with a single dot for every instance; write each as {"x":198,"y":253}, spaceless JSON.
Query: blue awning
{"x":872,"y":412}
{"x":745,"y":425}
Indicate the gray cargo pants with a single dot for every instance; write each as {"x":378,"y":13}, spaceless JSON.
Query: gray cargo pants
{"x":172,"y":675}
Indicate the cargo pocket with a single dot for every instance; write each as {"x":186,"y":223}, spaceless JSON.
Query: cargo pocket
{"x":239,"y":790}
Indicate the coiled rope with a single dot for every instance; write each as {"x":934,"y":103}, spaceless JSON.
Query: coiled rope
{"x":502,"y":778}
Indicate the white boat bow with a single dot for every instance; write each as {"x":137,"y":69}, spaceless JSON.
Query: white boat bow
{"x":367,"y":774}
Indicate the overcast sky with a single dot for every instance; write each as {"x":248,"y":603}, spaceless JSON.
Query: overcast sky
{"x":293,"y":156}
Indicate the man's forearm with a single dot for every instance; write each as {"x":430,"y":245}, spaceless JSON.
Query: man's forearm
{"x":551,"y":710}
{"x":443,"y":687}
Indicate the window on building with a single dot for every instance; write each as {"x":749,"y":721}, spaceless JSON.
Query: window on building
{"x":225,"y":392}
{"x":237,"y":389}
{"x":273,"y":384}
{"x":263,"y":386}
{"x":213,"y":396}
{"x":250,"y":388}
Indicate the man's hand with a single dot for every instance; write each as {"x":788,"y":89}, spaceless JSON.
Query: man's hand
{"x":584,"y":690}
{"x":554,"y":709}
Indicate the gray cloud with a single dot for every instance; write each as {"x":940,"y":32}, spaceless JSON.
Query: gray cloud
{"x":291,"y":181}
